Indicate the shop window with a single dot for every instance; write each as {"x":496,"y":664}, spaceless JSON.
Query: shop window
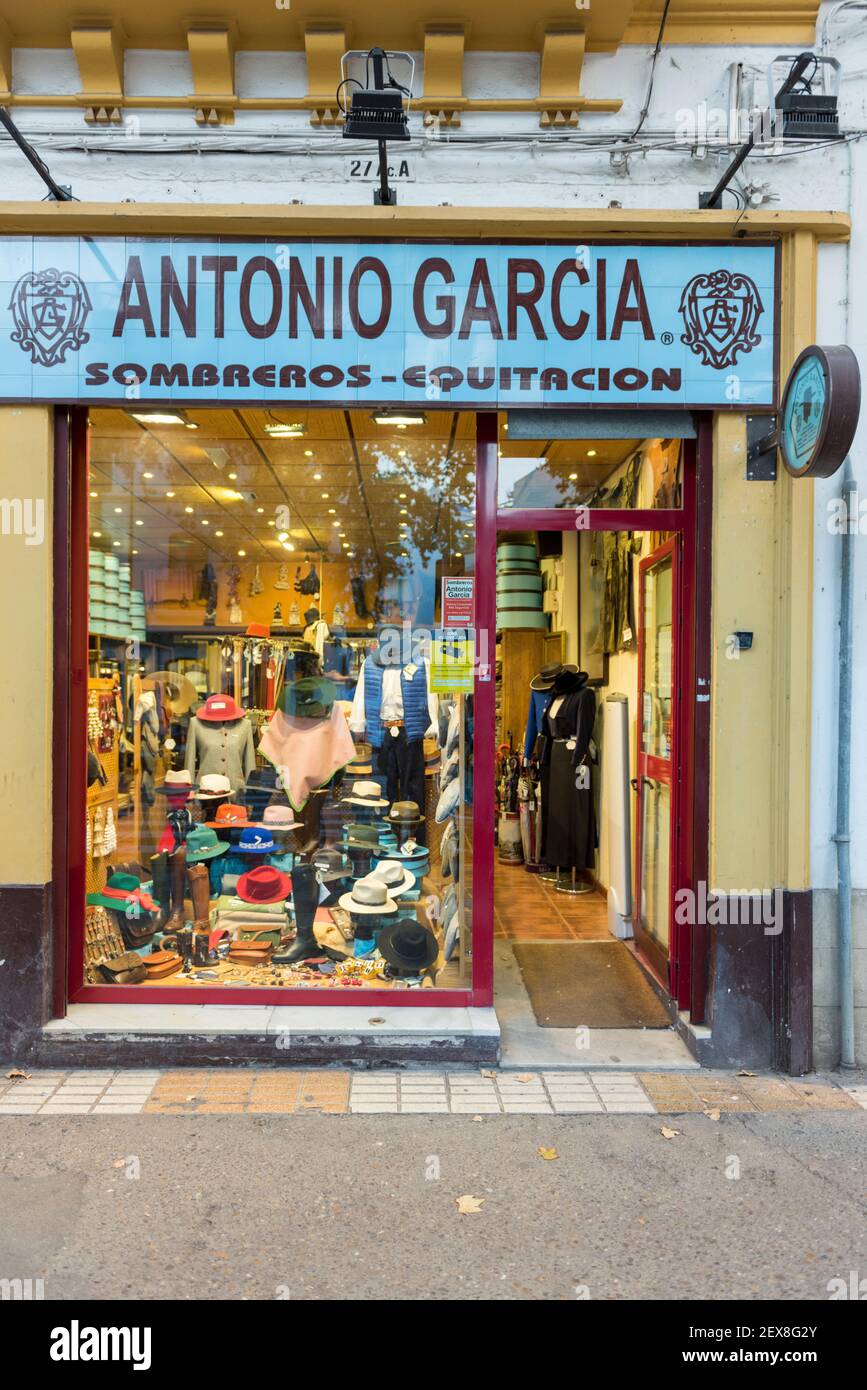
{"x":598,"y":474}
{"x":279,"y":728}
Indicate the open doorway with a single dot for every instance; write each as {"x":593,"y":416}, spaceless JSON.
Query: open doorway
{"x":592,"y":643}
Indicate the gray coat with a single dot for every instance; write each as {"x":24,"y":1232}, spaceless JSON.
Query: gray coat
{"x":226,"y":748}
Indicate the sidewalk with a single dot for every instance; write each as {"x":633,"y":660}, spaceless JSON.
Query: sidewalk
{"x":296,"y":1091}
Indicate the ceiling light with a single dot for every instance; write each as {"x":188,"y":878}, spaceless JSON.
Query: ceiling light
{"x":260,"y":510}
{"x":135,"y":552}
{"x":402,"y":495}
{"x":97,"y":535}
{"x":458,"y":554}
{"x":218,"y":533}
{"x":159,"y":417}
{"x":591,"y":453}
{"x":117,"y":543}
{"x":188,"y":510}
{"x":118,"y":510}
{"x":147,"y":475}
{"x":205,"y":521}
{"x":280,"y":430}
{"x":335,"y":523}
{"x":308,"y":453}
{"x":325,"y":494}
{"x":242,"y":553}
{"x":233,"y":476}
{"x":317,"y":477}
{"x":403,"y":511}
{"x":401,"y":418}
{"x":272,"y":522}
{"x":170,"y":494}
{"x":283,"y":536}
{"x":94,"y":494}
{"x":287,"y":545}
{"x":139,"y":523}
{"x":572,"y":477}
{"x":346,"y":545}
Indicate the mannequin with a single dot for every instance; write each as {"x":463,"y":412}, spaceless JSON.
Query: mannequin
{"x":316,"y":630}
{"x":220,"y":740}
{"x":395,"y":707}
{"x":568,"y":817}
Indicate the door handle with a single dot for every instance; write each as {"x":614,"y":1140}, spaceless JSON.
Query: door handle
{"x":633,"y":782}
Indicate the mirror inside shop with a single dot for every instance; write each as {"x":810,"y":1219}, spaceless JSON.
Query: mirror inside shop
{"x":280,"y":748}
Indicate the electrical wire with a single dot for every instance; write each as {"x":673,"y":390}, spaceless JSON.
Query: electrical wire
{"x":656,"y":52}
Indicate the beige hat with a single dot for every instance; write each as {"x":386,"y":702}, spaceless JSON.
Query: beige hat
{"x":368,"y":897}
{"x":365,"y":794}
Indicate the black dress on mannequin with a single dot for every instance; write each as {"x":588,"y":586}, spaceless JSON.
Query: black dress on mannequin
{"x":568,"y":816}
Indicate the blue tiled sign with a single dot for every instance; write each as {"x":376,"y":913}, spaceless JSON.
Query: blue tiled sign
{"x":395,"y":323}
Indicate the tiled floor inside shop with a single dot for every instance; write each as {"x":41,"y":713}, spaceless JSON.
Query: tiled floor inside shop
{"x":527,"y":908}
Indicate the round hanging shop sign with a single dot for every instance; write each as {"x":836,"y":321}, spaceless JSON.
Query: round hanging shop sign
{"x":821,"y":405}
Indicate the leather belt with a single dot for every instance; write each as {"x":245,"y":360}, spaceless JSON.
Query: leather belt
{"x":393,"y":724}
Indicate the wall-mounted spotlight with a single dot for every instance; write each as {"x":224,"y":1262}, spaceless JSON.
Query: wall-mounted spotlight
{"x":378,"y":109}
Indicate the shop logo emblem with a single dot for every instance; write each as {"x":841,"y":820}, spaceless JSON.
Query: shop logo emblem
{"x":720,"y":312}
{"x":50,"y":308}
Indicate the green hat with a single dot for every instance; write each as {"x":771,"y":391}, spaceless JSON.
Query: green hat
{"x":311,"y":697}
{"x":203,"y":843}
{"x":123,"y":893}
{"x":360,"y":836}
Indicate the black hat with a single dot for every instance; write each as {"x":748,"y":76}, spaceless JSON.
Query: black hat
{"x":408,"y":946}
{"x":544,"y":679}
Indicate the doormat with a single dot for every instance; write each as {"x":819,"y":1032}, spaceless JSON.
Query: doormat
{"x":587,"y":984}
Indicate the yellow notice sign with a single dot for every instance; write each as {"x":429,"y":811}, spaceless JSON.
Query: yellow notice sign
{"x":451,"y":663}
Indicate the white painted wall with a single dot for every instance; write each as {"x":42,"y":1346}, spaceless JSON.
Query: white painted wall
{"x":506,"y":160}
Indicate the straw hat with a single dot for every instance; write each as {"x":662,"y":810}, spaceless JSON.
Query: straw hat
{"x":369,"y":897}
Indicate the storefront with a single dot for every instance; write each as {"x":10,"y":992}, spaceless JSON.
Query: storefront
{"x":344,"y":509}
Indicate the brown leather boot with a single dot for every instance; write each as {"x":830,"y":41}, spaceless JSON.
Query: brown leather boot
{"x":178,"y":872}
{"x":200,"y":892}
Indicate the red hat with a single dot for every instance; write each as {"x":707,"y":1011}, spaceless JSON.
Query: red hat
{"x":258,"y":630}
{"x":264,"y":885}
{"x":219,"y":708}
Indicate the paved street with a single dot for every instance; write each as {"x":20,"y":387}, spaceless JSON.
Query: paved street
{"x":755,"y":1204}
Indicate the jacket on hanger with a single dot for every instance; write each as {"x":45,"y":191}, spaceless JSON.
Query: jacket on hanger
{"x":226,"y":748}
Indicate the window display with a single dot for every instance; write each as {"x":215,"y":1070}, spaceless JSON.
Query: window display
{"x":284,"y":783}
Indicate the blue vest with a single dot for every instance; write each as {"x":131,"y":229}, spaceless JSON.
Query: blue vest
{"x":414,"y":696}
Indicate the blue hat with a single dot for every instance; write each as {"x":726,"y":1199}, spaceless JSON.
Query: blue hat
{"x":255,"y":840}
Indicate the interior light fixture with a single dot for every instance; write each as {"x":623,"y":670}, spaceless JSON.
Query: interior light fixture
{"x":233,"y":476}
{"x":218,"y":533}
{"x":572,"y":477}
{"x":205,"y":522}
{"x":119,"y":510}
{"x":287,"y":545}
{"x":293,"y":431}
{"x":97,"y":535}
{"x":147,"y":475}
{"x":242,"y":553}
{"x":308,"y":453}
{"x":317,"y":477}
{"x":170,"y":494}
{"x":591,"y":453}
{"x":283,"y":536}
{"x":401,"y":418}
{"x":117,"y":544}
{"x":188,"y":510}
{"x":163,"y":417}
{"x":141,"y":523}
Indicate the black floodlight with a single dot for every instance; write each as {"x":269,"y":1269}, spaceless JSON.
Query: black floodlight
{"x":806,"y":113}
{"x":378,"y":109}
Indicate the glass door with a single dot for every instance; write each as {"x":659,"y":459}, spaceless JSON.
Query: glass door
{"x":654,"y":783}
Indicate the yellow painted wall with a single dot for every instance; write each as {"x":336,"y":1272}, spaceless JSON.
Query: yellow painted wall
{"x":26,"y":471}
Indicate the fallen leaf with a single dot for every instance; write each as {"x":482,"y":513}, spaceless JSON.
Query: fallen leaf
{"x":17,"y":1075}
{"x":642,"y":1220}
{"x":489,"y":1075}
{"x":468,"y":1205}
{"x":668,"y":1133}
{"x":548,"y":1154}
{"x":119,"y":1163}
{"x":477,"y":1119}
{"x":744,"y":1073}
{"x":711,"y":1114}
{"x":525,"y":1076}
